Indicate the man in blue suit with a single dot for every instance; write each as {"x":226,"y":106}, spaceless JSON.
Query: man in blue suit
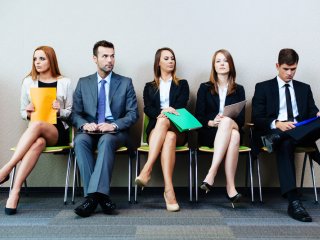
{"x":277,"y":105}
{"x":104,"y":108}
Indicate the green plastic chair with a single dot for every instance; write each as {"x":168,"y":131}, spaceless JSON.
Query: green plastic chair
{"x":204,"y":149}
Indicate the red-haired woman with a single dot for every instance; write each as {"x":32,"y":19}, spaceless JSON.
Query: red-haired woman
{"x":44,"y":73}
{"x":220,"y":131}
{"x":165,"y":93}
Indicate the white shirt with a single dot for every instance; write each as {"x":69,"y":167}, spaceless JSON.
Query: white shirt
{"x":222,"y":97}
{"x":283,"y":114}
{"x":165,"y":92}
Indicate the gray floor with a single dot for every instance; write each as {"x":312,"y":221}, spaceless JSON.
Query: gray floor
{"x":43,"y":216}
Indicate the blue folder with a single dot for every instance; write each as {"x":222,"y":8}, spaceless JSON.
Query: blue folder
{"x":305,"y":121}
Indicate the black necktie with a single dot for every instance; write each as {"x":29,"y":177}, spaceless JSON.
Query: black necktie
{"x":289,"y":104}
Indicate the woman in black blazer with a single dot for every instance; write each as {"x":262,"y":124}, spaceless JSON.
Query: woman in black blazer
{"x":220,"y":131}
{"x":165,"y":93}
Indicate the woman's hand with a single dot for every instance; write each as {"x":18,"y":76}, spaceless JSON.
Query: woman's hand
{"x":169,"y":110}
{"x":29,"y":109}
{"x":215,"y":122}
{"x":56,"y":106}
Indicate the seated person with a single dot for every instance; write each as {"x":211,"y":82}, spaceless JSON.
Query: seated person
{"x":277,"y":105}
{"x":220,"y":131}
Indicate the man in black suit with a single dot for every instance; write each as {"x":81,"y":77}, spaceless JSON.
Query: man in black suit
{"x":277,"y":105}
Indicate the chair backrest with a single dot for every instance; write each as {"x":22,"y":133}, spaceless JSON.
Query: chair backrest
{"x":144,"y":130}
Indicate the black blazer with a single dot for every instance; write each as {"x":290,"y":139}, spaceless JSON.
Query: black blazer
{"x":178,"y":98}
{"x":265,"y":103}
{"x":207,"y":108}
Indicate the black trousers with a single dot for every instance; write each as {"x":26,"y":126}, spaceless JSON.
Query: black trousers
{"x":303,"y":136}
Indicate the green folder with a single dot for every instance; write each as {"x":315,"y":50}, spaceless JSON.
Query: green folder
{"x":185,"y":121}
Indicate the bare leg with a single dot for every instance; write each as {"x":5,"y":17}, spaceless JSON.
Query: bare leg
{"x":156,"y":140}
{"x":29,"y":137}
{"x":231,"y":162}
{"x":27,"y":164}
{"x":221,"y":144}
{"x":168,"y":159}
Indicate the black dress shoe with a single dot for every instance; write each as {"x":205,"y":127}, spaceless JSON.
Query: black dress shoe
{"x":236,"y":198}
{"x":206,"y":186}
{"x":106,"y":204}
{"x":271,"y":141}
{"x":87,"y":207}
{"x":5,"y":179}
{"x":298,"y":212}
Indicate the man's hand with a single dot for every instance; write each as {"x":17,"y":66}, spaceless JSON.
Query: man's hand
{"x":284,"y":126}
{"x":318,"y":114}
{"x":106,"y":127}
{"x":90,"y":127}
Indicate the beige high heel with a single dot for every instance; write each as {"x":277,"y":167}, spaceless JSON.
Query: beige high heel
{"x":171,"y":207}
{"x":141,"y":182}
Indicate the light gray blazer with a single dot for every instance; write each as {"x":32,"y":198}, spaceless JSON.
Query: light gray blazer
{"x":64,"y":96}
{"x":122,"y":99}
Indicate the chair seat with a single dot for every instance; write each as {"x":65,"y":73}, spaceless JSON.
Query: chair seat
{"x":50,"y":149}
{"x":297,"y":149}
{"x":211,"y":150}
{"x":146,"y":148}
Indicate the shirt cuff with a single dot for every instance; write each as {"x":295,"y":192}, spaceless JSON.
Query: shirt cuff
{"x":115,"y":126}
{"x":273,"y":124}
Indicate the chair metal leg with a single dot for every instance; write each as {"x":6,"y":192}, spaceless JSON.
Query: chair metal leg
{"x":251,"y":178}
{"x":129,"y":178}
{"x":190,"y":175}
{"x":13,"y":173}
{"x":259,"y":179}
{"x":67,"y":178}
{"x":303,"y":170}
{"x":196,"y":173}
{"x":313,"y":181}
{"x":74,"y":178}
{"x":137,"y":173}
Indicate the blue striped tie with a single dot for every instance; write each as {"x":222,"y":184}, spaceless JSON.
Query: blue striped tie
{"x":102,"y":102}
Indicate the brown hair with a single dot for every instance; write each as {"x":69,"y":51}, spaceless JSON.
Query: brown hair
{"x":288,"y":56}
{"x":231,"y":77}
{"x":102,"y":43}
{"x":51,"y":55}
{"x":156,"y":67}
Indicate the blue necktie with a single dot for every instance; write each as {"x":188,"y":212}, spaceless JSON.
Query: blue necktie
{"x":102,"y":102}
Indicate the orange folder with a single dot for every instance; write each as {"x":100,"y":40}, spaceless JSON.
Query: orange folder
{"x":42,"y":99}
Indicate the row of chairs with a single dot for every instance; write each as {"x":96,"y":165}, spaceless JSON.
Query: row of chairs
{"x":192,"y":162}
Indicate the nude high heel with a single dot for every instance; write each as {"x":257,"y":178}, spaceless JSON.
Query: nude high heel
{"x":171,"y":207}
{"x":142,"y":182}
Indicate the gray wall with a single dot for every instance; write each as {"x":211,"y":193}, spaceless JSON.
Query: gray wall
{"x":253,"y":31}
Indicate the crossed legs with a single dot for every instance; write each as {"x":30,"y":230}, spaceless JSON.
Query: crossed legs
{"x":226,"y":146}
{"x":163,"y":138}
{"x":28,"y":150}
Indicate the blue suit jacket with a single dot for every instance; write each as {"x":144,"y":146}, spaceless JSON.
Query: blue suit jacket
{"x":122,"y":98}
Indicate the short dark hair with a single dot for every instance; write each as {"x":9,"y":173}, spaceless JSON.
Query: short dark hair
{"x":102,"y":43}
{"x":288,"y":56}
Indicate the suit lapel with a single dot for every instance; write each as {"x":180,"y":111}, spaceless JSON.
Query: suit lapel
{"x":115,"y":82}
{"x":300,"y":97}
{"x":173,"y":92}
{"x":274,"y":94}
{"x":93,"y":88}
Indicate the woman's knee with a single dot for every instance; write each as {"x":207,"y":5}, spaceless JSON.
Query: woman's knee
{"x":36,"y":126}
{"x":226,"y":122}
{"x":171,"y":137}
{"x":163,"y":123}
{"x":39,"y":144}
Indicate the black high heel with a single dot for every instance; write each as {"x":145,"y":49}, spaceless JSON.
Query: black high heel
{"x":5,"y":179}
{"x":11,"y":211}
{"x":236,"y":198}
{"x":206,"y":186}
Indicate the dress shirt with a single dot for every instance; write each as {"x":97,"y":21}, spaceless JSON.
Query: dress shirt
{"x":283,"y":114}
{"x":165,"y":93}
{"x":222,"y":97}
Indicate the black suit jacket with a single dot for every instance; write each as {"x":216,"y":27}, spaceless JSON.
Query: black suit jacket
{"x":207,"y":108}
{"x":178,"y":98}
